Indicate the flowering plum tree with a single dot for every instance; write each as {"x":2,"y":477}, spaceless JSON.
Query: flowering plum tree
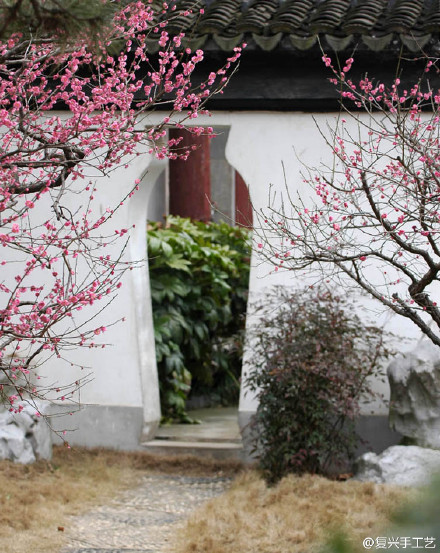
{"x":70,"y":109}
{"x":374,"y":216}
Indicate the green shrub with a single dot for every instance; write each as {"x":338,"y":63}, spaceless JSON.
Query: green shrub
{"x":310,"y":366}
{"x":199,"y":276}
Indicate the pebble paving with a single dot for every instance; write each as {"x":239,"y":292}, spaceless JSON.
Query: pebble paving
{"x":141,"y":520}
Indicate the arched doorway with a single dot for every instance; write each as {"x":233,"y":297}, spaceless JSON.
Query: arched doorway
{"x":206,"y":188}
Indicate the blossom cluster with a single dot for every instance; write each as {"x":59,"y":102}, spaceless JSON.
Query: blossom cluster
{"x":374,"y":214}
{"x":68,"y":111}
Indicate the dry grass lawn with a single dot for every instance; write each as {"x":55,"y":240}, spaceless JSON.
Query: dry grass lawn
{"x":296,"y":516}
{"x":37,"y":500}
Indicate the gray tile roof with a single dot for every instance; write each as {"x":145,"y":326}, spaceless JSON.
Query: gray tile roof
{"x":297,"y":24}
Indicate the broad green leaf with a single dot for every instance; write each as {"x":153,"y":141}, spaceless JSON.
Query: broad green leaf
{"x":167,"y":249}
{"x":180,"y":264}
{"x":199,"y":276}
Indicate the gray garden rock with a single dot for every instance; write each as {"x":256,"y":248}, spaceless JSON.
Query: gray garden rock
{"x":24,"y":437}
{"x":14,"y":446}
{"x":402,"y":465}
{"x":415,"y":395}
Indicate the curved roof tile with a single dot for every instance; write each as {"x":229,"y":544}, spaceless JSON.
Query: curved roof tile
{"x":220,"y":16}
{"x":185,"y":17}
{"x":329,"y":15}
{"x":363,"y":17}
{"x":404,"y":15}
{"x":257,"y":16}
{"x":377,"y":24}
{"x":292,"y":16}
{"x":431,"y":17}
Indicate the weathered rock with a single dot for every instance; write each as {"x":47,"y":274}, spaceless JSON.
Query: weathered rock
{"x":402,"y":465}
{"x":39,"y":434}
{"x":24,"y":437}
{"x":14,"y":446}
{"x":415,"y":395}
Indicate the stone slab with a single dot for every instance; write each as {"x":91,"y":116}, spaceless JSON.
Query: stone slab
{"x":193,"y":445}
{"x":399,"y":465}
{"x":217,"y":424}
{"x":223,"y":451}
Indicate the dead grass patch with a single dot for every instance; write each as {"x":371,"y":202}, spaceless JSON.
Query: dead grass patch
{"x":36,"y":500}
{"x":296,"y":516}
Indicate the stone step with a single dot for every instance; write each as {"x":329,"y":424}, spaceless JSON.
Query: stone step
{"x":189,"y":436}
{"x":215,"y":449}
{"x":217,"y":435}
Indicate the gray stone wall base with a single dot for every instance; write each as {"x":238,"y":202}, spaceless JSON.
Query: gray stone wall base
{"x":247,"y":430}
{"x":149,"y":431}
{"x":374,"y":431}
{"x":110,"y":426}
{"x":377,"y":434}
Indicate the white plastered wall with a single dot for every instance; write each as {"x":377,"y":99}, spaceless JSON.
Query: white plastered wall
{"x":271,"y":150}
{"x":123,"y":375}
{"x":267,"y":149}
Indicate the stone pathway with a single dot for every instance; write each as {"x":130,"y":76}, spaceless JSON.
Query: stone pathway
{"x":142,"y":520}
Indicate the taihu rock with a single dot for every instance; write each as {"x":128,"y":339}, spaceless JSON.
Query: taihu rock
{"x":401,"y":465}
{"x":415,"y":395}
{"x":24,"y":437}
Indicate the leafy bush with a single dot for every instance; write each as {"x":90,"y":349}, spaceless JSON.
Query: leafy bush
{"x":199,"y":276}
{"x":310,"y":367}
